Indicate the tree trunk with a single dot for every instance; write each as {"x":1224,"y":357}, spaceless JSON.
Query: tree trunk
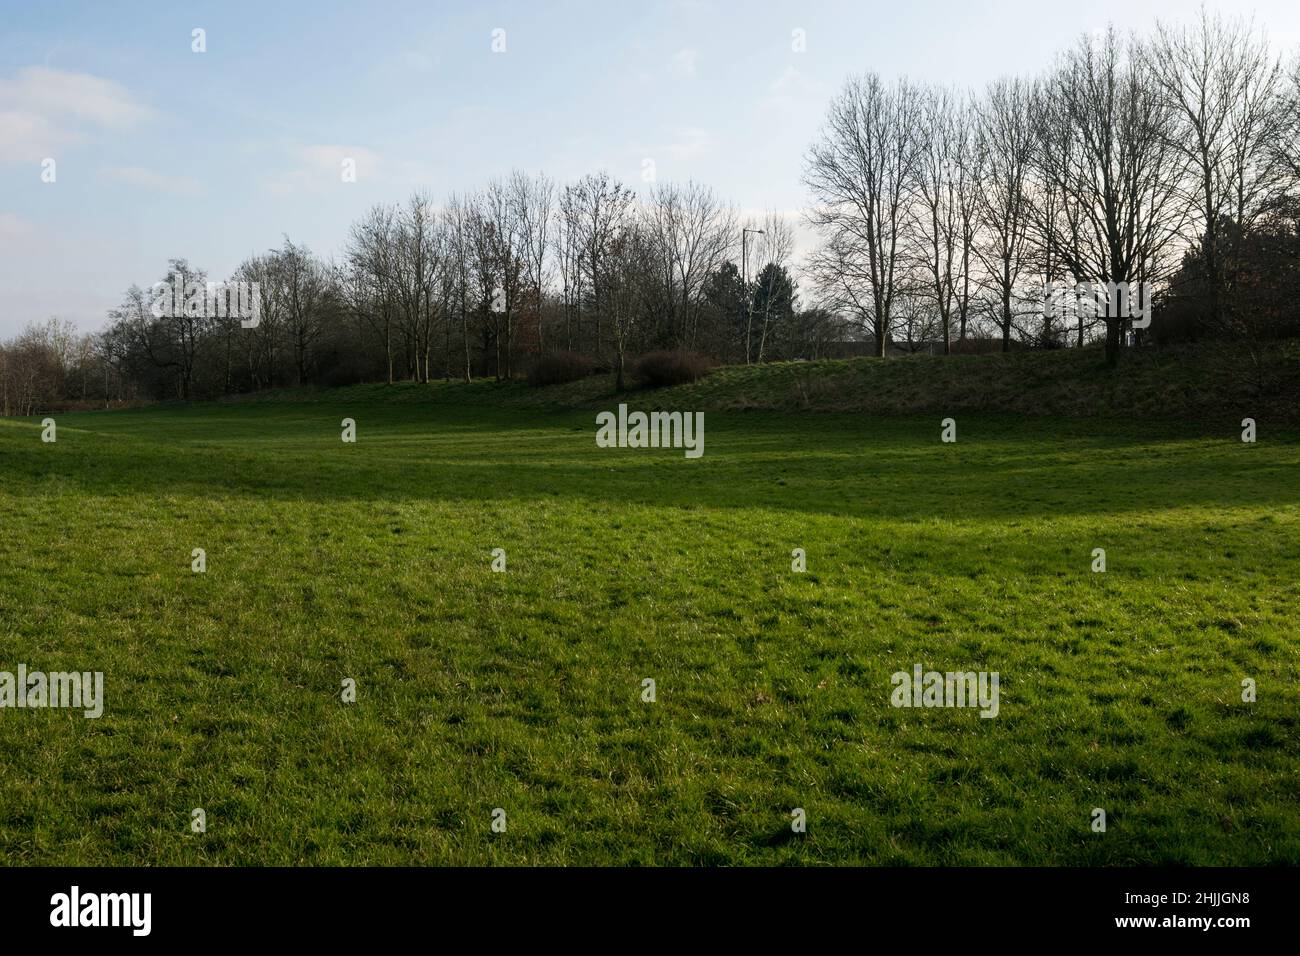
{"x":1113,"y":329}
{"x":464,"y":333}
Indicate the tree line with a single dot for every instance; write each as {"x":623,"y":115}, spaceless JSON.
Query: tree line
{"x":1131,"y":160}
{"x":477,"y":285}
{"x":941,"y":216}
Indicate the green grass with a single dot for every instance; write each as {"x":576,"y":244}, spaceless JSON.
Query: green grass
{"x":522,"y":690}
{"x":1216,"y":383}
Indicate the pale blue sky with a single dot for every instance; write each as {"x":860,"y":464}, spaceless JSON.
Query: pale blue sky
{"x":163,"y":152}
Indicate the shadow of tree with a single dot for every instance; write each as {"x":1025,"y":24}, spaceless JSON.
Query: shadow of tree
{"x":845,"y":465}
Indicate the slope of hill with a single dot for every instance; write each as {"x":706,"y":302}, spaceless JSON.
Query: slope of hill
{"x":1211,"y":382}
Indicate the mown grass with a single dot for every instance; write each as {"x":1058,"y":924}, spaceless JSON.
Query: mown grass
{"x":522,"y":690}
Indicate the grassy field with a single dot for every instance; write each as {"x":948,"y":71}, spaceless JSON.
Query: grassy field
{"x":522,"y":690}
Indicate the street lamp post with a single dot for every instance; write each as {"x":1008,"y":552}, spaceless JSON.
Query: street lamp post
{"x":744,"y":284}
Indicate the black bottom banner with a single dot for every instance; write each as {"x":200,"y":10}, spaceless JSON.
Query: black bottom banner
{"x":338,"y":905}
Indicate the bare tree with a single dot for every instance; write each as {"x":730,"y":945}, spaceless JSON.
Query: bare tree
{"x":458,"y":269}
{"x":1104,"y":143}
{"x":1286,"y":149}
{"x":862,"y":173}
{"x":1005,"y":143}
{"x":170,"y":321}
{"x":533,"y":199}
{"x":774,"y":248}
{"x":568,"y":259}
{"x":1222,"y":84}
{"x":627,"y":260}
{"x":602,"y":207}
{"x":416,"y":264}
{"x":262,"y":344}
{"x":371,"y":283}
{"x":486,"y":268}
{"x":937,"y":213}
{"x":500,"y":212}
{"x":690,"y":233}
{"x":305,"y":287}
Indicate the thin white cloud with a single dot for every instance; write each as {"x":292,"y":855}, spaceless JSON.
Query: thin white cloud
{"x":794,"y":89}
{"x":44,"y":110}
{"x":322,"y":165}
{"x":93,"y":98}
{"x":152,"y":179}
{"x":29,"y":137}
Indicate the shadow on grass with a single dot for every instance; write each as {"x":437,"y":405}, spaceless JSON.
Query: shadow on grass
{"x":844,"y":465}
